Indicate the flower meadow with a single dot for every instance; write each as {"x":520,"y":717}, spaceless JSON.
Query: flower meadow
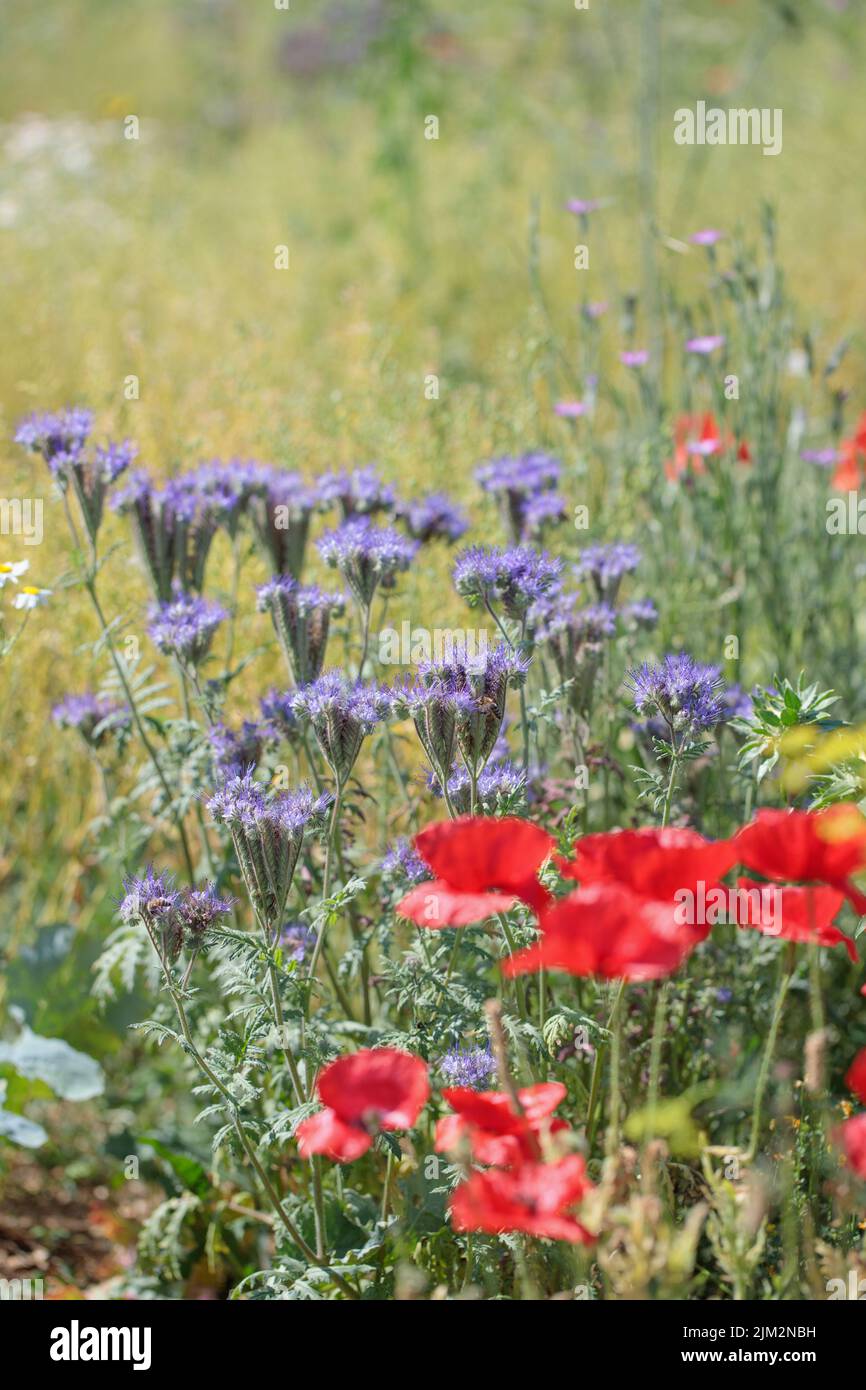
{"x":527,"y":970}
{"x":435,"y":696}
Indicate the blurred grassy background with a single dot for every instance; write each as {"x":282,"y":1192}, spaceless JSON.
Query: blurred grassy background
{"x":305,"y":127}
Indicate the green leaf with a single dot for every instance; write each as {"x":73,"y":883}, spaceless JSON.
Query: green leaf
{"x":190,"y":1173}
{"x":71,"y":1075}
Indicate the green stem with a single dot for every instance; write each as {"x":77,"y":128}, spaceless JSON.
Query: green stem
{"x":766,"y":1061}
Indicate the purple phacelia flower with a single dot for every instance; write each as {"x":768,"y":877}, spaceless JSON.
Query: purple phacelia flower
{"x":403,"y":862}
{"x":267,"y":831}
{"x":462,"y":700}
{"x":174,"y":529}
{"x":641,"y":612}
{"x":279,"y":720}
{"x":825,"y":458}
{"x":297,"y":941}
{"x":63,"y":434}
{"x":235,"y":751}
{"x":681,"y":691}
{"x":360,"y":492}
{"x":575,"y":635}
{"x":154,"y":901}
{"x":200,"y":909}
{"x":499,"y":780}
{"x":301,"y":617}
{"x":428,"y":518}
{"x":185,"y":627}
{"x":515,"y":578}
{"x":545,"y":509}
{"x":582,"y":207}
{"x":468,"y":1066}
{"x":281,"y":509}
{"x":94,"y":717}
{"x":367,"y":556}
{"x":606,"y":565}
{"x":342,"y":713}
{"x":707,"y":236}
{"x":516,"y":482}
{"x":62,"y":439}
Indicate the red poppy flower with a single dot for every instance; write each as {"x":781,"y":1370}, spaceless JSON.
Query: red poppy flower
{"x":482,"y":865}
{"x":855,"y":1078}
{"x":848,"y":474}
{"x":537,"y":1198}
{"x":606,"y":930}
{"x":697,"y":437}
{"x":653,"y":863}
{"x":802,"y":914}
{"x":813,"y":846}
{"x":852,"y":1137}
{"x":496,"y":1133}
{"x":374,"y":1089}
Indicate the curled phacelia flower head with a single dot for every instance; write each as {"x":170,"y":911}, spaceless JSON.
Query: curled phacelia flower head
{"x":94,"y":717}
{"x":514,"y":578}
{"x":301,"y":616}
{"x":641,"y":612}
{"x":234,"y":751}
{"x":62,"y":440}
{"x":429,"y":518}
{"x":575,"y":634}
{"x":185,"y":627}
{"x":525,"y":489}
{"x":403,"y":863}
{"x":679,"y":690}
{"x":57,"y":436}
{"x":174,"y":528}
{"x":606,"y":565}
{"x":367,"y":556}
{"x":172,"y":917}
{"x":200,"y":909}
{"x":342,"y":713}
{"x":267,"y":831}
{"x":281,"y":508}
{"x":461,"y":700}
{"x":359,"y":492}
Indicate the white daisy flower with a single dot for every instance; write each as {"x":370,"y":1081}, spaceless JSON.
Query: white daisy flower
{"x":29,"y":597}
{"x":13,"y":571}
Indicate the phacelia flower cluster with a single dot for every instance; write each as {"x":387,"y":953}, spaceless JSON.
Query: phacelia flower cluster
{"x":431,"y":518}
{"x":301,"y":617}
{"x":94,"y":717}
{"x":62,"y":440}
{"x":513,"y":578}
{"x":367,"y":556}
{"x":173,"y":918}
{"x":683,"y":693}
{"x":267,"y":832}
{"x":341,"y":713}
{"x":185,"y":627}
{"x":525,"y":488}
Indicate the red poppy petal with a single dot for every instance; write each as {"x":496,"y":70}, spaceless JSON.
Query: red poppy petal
{"x":855,"y":1078}
{"x":474,"y":853}
{"x":436,"y":905}
{"x":382,"y":1083}
{"x":325,"y":1133}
